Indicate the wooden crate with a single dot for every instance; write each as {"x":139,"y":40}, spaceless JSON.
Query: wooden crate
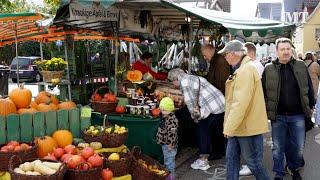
{"x":26,"y":127}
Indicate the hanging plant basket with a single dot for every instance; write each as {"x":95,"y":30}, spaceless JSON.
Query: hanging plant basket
{"x":49,"y":75}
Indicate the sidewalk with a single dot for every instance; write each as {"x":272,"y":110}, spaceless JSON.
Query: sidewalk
{"x":311,"y":170}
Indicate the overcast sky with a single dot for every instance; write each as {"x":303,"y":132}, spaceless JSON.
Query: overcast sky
{"x":237,"y":6}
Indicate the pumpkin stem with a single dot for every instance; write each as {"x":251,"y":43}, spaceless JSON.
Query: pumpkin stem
{"x":21,"y":86}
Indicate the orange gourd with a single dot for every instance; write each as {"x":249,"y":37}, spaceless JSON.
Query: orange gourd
{"x":120,"y":109}
{"x":67,"y":105}
{"x":33,"y":104}
{"x":7,"y":107}
{"x":134,"y":75}
{"x":21,"y":97}
{"x":110,"y":97}
{"x":63,"y":138}
{"x":43,"y":97}
{"x":54,"y":100}
{"x":27,"y":111}
{"x":46,"y":145}
{"x":47,"y":107}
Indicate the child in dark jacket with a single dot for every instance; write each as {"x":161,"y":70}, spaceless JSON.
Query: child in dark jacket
{"x":167,"y":135}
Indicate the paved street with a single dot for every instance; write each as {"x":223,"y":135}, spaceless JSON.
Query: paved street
{"x":311,"y":170}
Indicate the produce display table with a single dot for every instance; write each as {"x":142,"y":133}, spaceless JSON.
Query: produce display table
{"x":142,"y":131}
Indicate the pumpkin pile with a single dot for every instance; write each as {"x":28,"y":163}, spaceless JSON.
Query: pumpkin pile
{"x":47,"y":146}
{"x":20,"y":101}
{"x":45,"y":102}
{"x":108,"y":97}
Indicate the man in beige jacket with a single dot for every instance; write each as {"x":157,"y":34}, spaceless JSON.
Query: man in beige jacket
{"x":245,"y":114}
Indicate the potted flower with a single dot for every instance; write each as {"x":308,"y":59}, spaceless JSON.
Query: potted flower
{"x":51,"y":69}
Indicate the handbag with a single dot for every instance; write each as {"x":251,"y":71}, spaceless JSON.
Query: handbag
{"x":196,"y":114}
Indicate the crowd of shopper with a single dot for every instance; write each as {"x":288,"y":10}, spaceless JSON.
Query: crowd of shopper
{"x":232,"y":105}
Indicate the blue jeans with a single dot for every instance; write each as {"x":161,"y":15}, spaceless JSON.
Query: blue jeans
{"x":251,"y":149}
{"x":288,"y":135}
{"x":204,"y":132}
{"x":169,"y":156}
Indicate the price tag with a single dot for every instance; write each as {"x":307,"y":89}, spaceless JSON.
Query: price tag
{"x":86,"y":112}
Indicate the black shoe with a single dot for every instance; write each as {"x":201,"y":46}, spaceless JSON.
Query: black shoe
{"x":215,"y":157}
{"x":278,"y":178}
{"x":296,"y":175}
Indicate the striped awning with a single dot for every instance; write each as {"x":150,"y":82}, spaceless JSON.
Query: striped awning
{"x":20,"y":25}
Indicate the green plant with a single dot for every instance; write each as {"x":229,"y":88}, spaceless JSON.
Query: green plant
{"x":54,"y":64}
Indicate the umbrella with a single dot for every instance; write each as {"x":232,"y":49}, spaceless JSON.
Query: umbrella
{"x":16,"y":25}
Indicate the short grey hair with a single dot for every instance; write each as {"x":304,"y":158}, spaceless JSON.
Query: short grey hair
{"x":176,"y":74}
{"x":240,"y":53}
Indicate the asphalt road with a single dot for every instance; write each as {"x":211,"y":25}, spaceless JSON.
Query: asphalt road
{"x":217,"y":171}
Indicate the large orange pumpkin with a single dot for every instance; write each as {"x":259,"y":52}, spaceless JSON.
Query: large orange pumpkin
{"x":7,"y":107}
{"x":47,"y":107}
{"x":46,"y":145}
{"x":134,"y":75}
{"x":21,"y":97}
{"x":43,"y":97}
{"x":63,"y":137}
{"x":27,"y":111}
{"x":67,"y":105}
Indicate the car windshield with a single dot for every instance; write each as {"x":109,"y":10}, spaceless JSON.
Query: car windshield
{"x":22,"y":61}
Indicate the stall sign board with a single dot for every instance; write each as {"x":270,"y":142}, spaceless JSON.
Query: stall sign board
{"x":92,"y":13}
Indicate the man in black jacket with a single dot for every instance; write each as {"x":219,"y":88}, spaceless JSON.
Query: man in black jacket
{"x":288,"y":94}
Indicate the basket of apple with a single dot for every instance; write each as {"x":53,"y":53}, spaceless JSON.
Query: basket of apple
{"x":22,"y":150}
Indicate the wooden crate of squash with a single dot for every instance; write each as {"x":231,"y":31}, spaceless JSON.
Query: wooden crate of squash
{"x":22,"y":119}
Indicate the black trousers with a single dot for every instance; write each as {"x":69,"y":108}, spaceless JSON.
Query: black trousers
{"x":218,"y":141}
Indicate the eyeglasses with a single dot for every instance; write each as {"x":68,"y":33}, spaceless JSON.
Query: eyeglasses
{"x":225,"y":54}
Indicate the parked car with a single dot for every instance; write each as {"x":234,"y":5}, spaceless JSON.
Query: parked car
{"x":27,"y":69}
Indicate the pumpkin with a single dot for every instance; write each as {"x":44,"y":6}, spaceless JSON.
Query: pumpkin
{"x":47,"y":107}
{"x":155,"y":112}
{"x":110,"y":97}
{"x":54,"y":100}
{"x":21,"y":97}
{"x":63,"y":138}
{"x":67,"y":105}
{"x":27,"y":111}
{"x":134,"y":75}
{"x":46,"y":145}
{"x":33,"y":104}
{"x":43,"y":97}
{"x":120,"y":109}
{"x":7,"y":107}
{"x":96,"y":97}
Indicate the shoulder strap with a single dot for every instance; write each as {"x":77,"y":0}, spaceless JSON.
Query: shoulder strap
{"x":198,"y":93}
{"x":310,"y":64}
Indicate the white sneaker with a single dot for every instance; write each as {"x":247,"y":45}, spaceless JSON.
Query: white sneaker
{"x":200,"y":164}
{"x":245,"y":171}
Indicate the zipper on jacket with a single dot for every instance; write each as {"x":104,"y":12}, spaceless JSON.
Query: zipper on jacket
{"x":286,"y":86}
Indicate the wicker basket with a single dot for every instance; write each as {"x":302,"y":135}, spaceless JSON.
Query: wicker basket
{"x":26,"y":154}
{"x":15,"y":161}
{"x":104,"y":107}
{"x":120,"y":167}
{"x":107,"y":140}
{"x":48,"y":75}
{"x":76,"y":174}
{"x":140,"y":172}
